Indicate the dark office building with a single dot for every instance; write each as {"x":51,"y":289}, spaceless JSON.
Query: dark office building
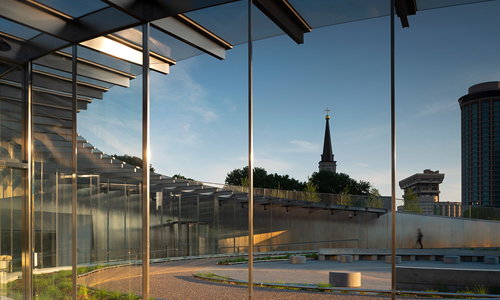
{"x":481,"y":145}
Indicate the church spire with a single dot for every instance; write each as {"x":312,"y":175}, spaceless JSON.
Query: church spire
{"x":327,"y":162}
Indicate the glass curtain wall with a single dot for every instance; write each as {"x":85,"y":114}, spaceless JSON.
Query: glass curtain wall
{"x":110,"y":179}
{"x":11,"y":191}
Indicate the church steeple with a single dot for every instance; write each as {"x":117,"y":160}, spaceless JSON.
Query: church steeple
{"x":327,"y":162}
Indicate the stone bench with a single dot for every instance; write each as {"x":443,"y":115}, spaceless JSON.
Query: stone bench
{"x":388,"y":259}
{"x":297,"y":259}
{"x":491,"y":260}
{"x":345,"y":279}
{"x":346,"y":258}
{"x":452,"y":280}
{"x":451,"y":259}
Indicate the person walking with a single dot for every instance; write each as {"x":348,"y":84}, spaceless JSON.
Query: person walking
{"x":419,"y":238}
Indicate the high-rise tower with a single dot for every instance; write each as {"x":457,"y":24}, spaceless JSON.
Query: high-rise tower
{"x":481,"y":145}
{"x":327,"y":163}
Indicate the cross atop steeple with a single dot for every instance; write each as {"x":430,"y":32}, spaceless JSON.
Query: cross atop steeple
{"x":327,"y":116}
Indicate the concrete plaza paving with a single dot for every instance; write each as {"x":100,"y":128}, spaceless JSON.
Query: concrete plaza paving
{"x":374,"y":274}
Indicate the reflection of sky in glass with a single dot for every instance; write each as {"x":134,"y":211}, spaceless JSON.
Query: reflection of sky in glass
{"x":17,"y":30}
{"x":75,"y":8}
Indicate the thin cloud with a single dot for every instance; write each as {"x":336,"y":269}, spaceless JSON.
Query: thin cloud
{"x":436,"y":107}
{"x":304,"y":146}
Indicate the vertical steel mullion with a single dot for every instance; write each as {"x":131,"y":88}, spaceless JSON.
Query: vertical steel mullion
{"x":393,"y":160}
{"x":198,"y":223}
{"x":179,"y":226}
{"x":91,"y":223}
{"x":145,"y":161}
{"x":108,"y":251}
{"x":74,"y":169}
{"x":57,"y":218}
{"x":41,"y":213}
{"x":161,"y":224}
{"x":250,"y":152}
{"x":27,"y":180}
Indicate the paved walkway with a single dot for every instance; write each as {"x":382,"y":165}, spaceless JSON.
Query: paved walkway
{"x":174,"y":280}
{"x":374,"y":274}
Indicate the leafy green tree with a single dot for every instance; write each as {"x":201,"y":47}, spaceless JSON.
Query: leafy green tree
{"x":179,"y":176}
{"x":410,"y":201}
{"x":346,"y":198}
{"x":310,"y":189}
{"x":277,"y":192}
{"x":484,"y":213}
{"x":437,"y":210}
{"x":335,"y":183}
{"x":374,"y":199}
{"x":133,"y":160}
{"x":262,"y":179}
{"x":236,"y":176}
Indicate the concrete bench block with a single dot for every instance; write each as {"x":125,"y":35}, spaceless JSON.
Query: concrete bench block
{"x":297,"y":259}
{"x":412,"y":257}
{"x":451,"y":259}
{"x":321,"y":257}
{"x":474,"y":259}
{"x":388,"y":259}
{"x":373,"y":257}
{"x":491,"y":260}
{"x":345,"y":279}
{"x":346,"y":258}
{"x":355,"y":257}
{"x":432,"y":257}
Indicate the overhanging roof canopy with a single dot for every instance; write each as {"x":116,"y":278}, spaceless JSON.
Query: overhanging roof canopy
{"x":36,"y":27}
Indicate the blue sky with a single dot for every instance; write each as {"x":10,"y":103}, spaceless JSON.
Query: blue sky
{"x":199,"y":111}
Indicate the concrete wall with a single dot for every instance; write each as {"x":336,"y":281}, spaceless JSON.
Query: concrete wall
{"x":275,"y":227}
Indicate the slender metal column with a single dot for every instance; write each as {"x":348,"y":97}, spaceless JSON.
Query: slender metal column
{"x":27,"y":184}
{"x":250,"y":152}
{"x":74,"y":170}
{"x":145,"y":161}
{"x":393,"y":160}
{"x":41,"y":213}
{"x":107,"y":224}
{"x":57,"y":218}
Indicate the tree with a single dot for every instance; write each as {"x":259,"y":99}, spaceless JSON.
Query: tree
{"x":236,"y":176}
{"x":346,"y":198}
{"x":485,"y":213}
{"x":263,"y":180}
{"x":374,"y":199}
{"x":335,"y":183}
{"x":133,"y":160}
{"x":437,"y":210}
{"x":411,"y":202}
{"x":310,"y":189}
{"x":179,"y":176}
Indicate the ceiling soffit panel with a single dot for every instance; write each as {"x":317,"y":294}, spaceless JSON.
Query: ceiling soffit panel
{"x":151,"y":10}
{"x":64,"y":64}
{"x":191,"y":33}
{"x":121,"y":51}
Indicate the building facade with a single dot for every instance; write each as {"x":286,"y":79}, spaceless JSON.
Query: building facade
{"x":425,"y":185}
{"x":480,"y":110}
{"x":327,"y":162}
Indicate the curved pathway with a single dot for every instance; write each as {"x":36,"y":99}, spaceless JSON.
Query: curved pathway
{"x":174,"y":280}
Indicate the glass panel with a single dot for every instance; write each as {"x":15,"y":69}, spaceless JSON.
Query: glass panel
{"x":109,"y":188}
{"x":10,"y":182}
{"x":15,"y":29}
{"x":11,"y":235}
{"x":52,"y":192}
{"x":75,"y":8}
